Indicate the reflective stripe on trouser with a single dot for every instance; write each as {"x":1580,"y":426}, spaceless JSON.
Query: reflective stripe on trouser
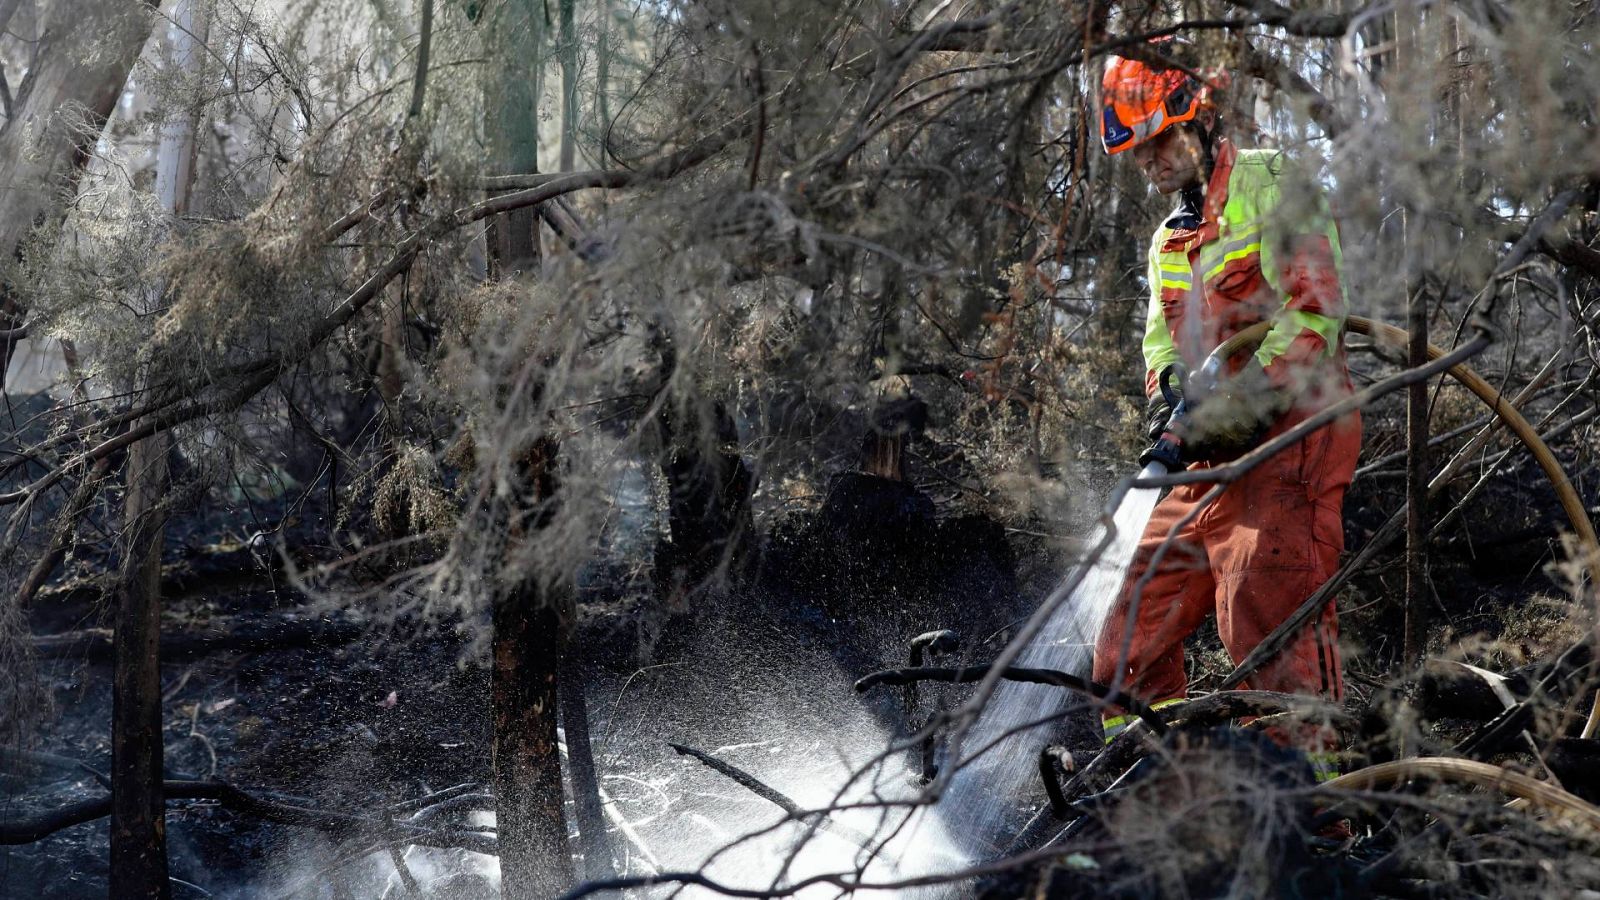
{"x":1253,"y":556}
{"x":1113,"y":725}
{"x":1325,"y":766}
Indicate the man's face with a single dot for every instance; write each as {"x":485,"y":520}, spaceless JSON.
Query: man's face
{"x":1172,"y":160}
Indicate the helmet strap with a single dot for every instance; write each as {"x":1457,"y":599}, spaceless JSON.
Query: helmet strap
{"x":1208,"y":157}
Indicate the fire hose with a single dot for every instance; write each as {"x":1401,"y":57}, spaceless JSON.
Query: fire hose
{"x":1571,"y":503}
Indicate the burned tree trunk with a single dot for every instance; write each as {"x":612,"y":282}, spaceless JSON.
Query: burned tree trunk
{"x":529,"y":624}
{"x":529,"y":637}
{"x":138,"y":809}
{"x":138,"y":828}
{"x":535,"y":861}
{"x":587,"y":807}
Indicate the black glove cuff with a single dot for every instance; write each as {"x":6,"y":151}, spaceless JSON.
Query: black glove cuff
{"x":1157,"y":413}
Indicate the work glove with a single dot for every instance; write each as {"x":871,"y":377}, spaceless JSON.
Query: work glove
{"x":1233,"y":420}
{"x":1157,"y":413}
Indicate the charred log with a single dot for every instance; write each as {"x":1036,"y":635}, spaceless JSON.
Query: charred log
{"x":344,"y":825}
{"x":1576,"y":762}
{"x":96,"y":643}
{"x":1448,"y":690}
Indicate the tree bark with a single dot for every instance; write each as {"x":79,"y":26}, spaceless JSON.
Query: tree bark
{"x":138,"y":825}
{"x":581,"y":775}
{"x":83,"y":58}
{"x":528,"y":643}
{"x":602,"y":79}
{"x":513,"y":238}
{"x":569,"y":86}
{"x":1416,"y":623}
{"x":529,"y":626}
{"x":1416,"y":581}
{"x":535,"y":861}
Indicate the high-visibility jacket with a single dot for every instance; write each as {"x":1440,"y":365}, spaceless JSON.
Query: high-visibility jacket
{"x":1263,"y":250}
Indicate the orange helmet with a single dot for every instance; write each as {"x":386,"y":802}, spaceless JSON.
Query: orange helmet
{"x":1141,"y":101}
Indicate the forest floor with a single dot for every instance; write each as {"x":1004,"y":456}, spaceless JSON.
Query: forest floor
{"x":358,"y":717}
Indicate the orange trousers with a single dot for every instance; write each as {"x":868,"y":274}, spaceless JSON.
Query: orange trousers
{"x":1253,"y":556}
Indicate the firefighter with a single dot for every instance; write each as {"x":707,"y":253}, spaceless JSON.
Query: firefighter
{"x":1248,"y":242}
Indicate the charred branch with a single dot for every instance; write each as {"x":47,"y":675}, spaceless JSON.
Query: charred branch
{"x":969,"y":674}
{"x":766,"y":792}
{"x":244,"y":635}
{"x":347,"y":826}
{"x":1515,"y":719}
{"x":1202,"y":711}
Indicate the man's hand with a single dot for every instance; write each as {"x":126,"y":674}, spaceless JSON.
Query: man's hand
{"x":1232,"y":421}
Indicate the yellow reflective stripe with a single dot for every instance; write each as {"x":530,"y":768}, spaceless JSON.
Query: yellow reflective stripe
{"x":1291,"y":324}
{"x":1235,"y":238}
{"x":1175,"y":271}
{"x":1159,"y":349}
{"x":1325,"y":766}
{"x":1239,"y":245}
{"x":1114,"y":725}
{"x":1229,"y":257}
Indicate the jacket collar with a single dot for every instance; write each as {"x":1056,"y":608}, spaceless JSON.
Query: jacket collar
{"x":1217,"y":187}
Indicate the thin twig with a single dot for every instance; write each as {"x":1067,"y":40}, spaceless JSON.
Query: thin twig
{"x":766,"y":792}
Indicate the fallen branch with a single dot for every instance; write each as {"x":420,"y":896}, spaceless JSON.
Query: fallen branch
{"x":27,"y":829}
{"x":968,"y":674}
{"x":1492,"y":736}
{"x":767,"y":792}
{"x":626,"y":827}
{"x":95,"y":643}
{"x":1565,"y":805}
{"x":20,"y":758}
{"x":1211,"y":709}
{"x":1450,"y":689}
{"x":744,"y":779}
{"x":429,"y":800}
{"x":45,"y":566}
{"x":430,"y":805}
{"x":1497,"y":685}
